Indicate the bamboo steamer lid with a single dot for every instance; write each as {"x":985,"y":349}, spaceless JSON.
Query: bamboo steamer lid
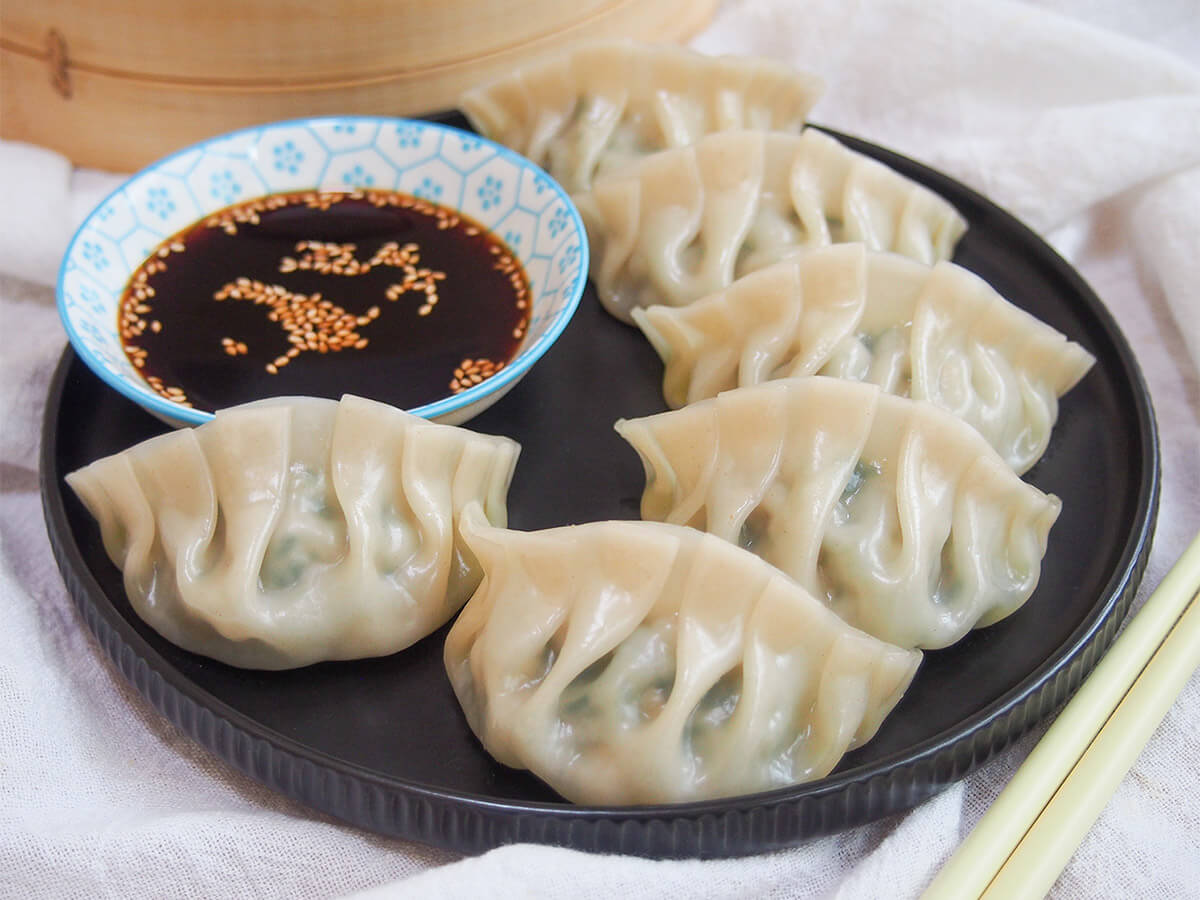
{"x":120,"y":84}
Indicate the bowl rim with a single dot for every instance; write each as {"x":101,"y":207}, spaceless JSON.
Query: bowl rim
{"x":141,"y":394}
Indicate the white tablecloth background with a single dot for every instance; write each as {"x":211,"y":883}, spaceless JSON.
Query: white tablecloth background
{"x":1081,"y":116}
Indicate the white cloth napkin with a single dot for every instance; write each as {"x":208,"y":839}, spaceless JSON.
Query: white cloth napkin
{"x":1081,"y":116}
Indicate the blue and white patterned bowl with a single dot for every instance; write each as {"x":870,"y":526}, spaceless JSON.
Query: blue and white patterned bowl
{"x":501,"y":190}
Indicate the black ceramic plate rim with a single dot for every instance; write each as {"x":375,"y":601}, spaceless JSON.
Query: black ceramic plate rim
{"x":1127,"y":570}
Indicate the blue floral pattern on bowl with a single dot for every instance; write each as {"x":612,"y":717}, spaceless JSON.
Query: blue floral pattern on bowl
{"x":569,"y":258}
{"x":501,"y":190}
{"x":94,"y":255}
{"x":429,"y":189}
{"x":408,"y":134}
{"x":288,"y":157}
{"x":223,"y":186}
{"x":489,"y":192}
{"x":557,"y":222}
{"x":358,"y":177}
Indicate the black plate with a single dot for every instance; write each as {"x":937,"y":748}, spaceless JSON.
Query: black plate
{"x":382,"y":744}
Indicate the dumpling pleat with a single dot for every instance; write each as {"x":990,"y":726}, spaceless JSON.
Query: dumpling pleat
{"x":659,"y":664}
{"x":760,"y":197}
{"x":895,"y":513}
{"x":110,"y":490}
{"x":604,"y":105}
{"x":941,"y":335}
{"x":295,"y":530}
{"x":247,"y":451}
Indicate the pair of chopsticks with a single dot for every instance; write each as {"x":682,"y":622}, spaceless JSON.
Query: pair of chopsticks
{"x":1023,"y":842}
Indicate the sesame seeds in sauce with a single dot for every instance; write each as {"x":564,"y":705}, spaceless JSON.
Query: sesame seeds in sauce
{"x":321,"y":293}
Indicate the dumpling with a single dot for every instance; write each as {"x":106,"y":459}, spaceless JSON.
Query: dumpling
{"x":684,"y":223}
{"x":606,"y":104}
{"x":289,"y":531}
{"x":895,"y":513}
{"x":636,"y":662}
{"x":786,"y":319}
{"x":942,"y":335}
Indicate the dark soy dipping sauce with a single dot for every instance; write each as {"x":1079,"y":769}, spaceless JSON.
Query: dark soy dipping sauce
{"x":373,"y":293}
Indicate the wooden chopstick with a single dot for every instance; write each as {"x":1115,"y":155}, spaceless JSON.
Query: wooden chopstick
{"x":1060,"y":789}
{"x":1052,"y":840}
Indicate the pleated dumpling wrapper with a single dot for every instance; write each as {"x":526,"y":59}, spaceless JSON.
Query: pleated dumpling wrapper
{"x":895,"y":513}
{"x":635,"y":662}
{"x":290,"y":531}
{"x":939,"y":334}
{"x":681,"y":224}
{"x":603,"y":105}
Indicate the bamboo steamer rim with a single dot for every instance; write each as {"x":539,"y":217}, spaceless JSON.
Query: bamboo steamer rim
{"x":105,"y":120}
{"x":187,"y":55}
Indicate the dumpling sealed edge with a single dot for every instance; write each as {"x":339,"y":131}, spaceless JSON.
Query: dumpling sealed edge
{"x":681,"y":224}
{"x":295,"y":530}
{"x":895,"y":513}
{"x":605,"y":104}
{"x":939,"y":334}
{"x":635,"y":662}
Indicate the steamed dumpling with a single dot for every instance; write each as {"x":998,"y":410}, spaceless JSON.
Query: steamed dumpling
{"x":685,"y":223}
{"x":895,"y":513}
{"x":636,"y":662}
{"x":606,"y":104}
{"x":289,"y":531}
{"x":940,"y":334}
